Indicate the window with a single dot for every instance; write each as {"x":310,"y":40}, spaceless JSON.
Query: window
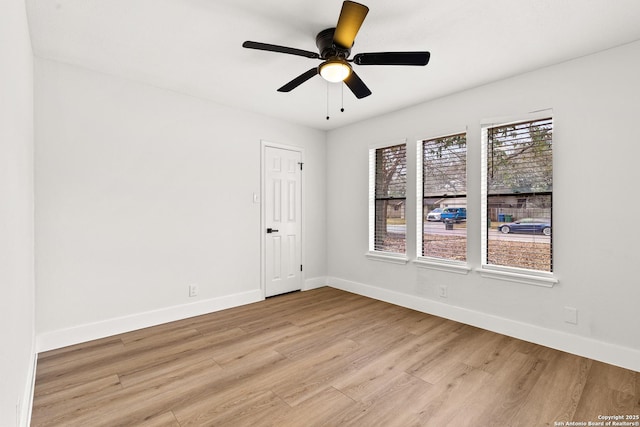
{"x":444,"y":198}
{"x":387,"y":199}
{"x":517,"y":195}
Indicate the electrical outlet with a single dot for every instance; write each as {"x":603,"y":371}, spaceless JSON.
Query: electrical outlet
{"x":571,"y":315}
{"x":443,"y":291}
{"x":193,"y":290}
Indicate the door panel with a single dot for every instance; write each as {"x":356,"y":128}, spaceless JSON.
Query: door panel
{"x":283,"y":194}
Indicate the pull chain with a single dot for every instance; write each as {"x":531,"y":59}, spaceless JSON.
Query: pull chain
{"x":341,"y":99}
{"x":327,"y":100}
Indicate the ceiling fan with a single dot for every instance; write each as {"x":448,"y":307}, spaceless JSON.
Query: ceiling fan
{"x":334,"y":46}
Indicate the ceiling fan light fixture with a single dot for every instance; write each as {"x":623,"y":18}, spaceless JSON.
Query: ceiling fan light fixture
{"x":335,"y":70}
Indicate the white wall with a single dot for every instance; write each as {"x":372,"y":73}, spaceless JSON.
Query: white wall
{"x":16,"y":215}
{"x":596,"y":105}
{"x":140,"y":192}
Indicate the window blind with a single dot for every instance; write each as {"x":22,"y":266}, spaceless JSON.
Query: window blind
{"x":390,"y":199}
{"x":519,"y":159}
{"x":519,"y":194}
{"x":444,"y":179}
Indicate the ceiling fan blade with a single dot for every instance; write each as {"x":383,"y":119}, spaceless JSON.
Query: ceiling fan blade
{"x":299,"y":80}
{"x":351,"y":17}
{"x":280,"y":49}
{"x":392,"y":58}
{"x":357,"y":86}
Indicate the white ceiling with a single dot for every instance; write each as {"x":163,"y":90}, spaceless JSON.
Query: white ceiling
{"x":194,"y":46}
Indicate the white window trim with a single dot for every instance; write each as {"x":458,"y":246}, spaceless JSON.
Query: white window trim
{"x":392,"y":257}
{"x":510,"y":274}
{"x":518,"y":275}
{"x":441,"y":264}
{"x":507,"y":120}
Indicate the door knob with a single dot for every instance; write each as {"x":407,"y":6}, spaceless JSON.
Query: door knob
{"x":271,"y":230}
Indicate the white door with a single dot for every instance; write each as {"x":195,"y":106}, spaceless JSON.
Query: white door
{"x":283,"y":228}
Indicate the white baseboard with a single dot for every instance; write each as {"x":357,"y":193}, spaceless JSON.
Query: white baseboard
{"x":582,"y":346}
{"x":314,"y":283}
{"x":83,"y":333}
{"x":24,"y":413}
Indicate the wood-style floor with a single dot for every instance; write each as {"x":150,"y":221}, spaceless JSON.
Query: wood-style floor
{"x":323,"y":357}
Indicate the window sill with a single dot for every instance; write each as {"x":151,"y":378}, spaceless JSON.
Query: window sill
{"x":544,"y":280}
{"x":442,"y":265}
{"x":388,"y":257}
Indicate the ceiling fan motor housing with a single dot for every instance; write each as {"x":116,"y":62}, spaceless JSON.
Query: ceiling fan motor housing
{"x":326,"y":47}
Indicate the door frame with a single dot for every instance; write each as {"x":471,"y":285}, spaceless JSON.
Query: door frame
{"x":263,"y":213}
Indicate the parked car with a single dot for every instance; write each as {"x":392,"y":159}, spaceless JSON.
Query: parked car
{"x":528,"y":225}
{"x":434,"y":215}
{"x":454,"y":214}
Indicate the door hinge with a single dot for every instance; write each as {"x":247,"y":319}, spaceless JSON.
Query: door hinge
{"x":300,"y":267}
{"x":300,"y":163}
